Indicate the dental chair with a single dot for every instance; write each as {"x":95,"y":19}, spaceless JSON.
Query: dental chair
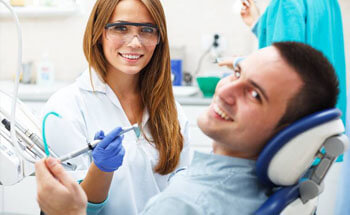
{"x":295,"y":162}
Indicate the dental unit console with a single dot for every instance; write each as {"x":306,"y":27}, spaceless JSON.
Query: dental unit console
{"x":12,"y":167}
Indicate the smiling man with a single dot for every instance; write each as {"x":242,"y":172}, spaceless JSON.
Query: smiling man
{"x":268,"y":90}
{"x":248,"y":104}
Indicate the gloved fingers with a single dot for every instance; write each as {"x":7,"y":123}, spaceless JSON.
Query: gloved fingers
{"x":116,"y":145}
{"x":99,"y":135}
{"x":118,"y":158}
{"x":108,"y":161}
{"x":115,"y":132}
{"x":110,"y":137}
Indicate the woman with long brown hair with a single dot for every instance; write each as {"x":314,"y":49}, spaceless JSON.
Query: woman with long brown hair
{"x":128,"y":81}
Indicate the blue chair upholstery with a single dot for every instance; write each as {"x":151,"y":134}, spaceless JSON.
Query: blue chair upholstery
{"x":289,"y":155}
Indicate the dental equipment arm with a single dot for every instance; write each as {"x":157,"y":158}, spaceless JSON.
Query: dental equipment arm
{"x":15,"y":93}
{"x":13,"y":158}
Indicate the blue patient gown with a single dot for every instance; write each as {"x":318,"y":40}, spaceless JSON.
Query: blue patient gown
{"x":315,"y":22}
{"x":212,"y":184}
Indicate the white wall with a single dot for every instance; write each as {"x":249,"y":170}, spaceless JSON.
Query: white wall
{"x":188,"y":21}
{"x":61,"y":37}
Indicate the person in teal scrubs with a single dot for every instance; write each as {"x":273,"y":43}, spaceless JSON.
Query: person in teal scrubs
{"x":319,"y":24}
{"x":315,"y":22}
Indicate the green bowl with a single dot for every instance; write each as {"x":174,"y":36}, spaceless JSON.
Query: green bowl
{"x":207,"y":85}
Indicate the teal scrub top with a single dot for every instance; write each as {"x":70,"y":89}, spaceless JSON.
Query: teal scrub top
{"x":317,"y":23}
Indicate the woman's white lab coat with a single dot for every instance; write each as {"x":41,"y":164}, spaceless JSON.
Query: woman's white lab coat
{"x":84,"y":112}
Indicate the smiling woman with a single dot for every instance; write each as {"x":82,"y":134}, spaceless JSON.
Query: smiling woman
{"x":128,"y":82}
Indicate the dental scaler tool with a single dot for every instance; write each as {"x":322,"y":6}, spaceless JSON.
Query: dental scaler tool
{"x":92,"y":144}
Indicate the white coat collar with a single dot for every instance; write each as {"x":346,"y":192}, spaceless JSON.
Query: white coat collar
{"x":100,"y":86}
{"x":84,"y":82}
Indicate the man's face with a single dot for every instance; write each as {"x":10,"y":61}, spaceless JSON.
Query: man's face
{"x":248,"y":104}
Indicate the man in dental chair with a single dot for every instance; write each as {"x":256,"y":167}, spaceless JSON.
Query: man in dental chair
{"x":267,"y":91}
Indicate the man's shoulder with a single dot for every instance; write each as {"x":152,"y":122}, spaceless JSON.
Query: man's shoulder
{"x":172,"y":203}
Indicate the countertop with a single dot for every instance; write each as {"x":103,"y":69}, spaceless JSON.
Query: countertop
{"x":41,"y":93}
{"x":32,"y":92}
{"x":197,"y":99}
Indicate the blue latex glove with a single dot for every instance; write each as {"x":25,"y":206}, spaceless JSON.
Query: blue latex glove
{"x":109,"y":153}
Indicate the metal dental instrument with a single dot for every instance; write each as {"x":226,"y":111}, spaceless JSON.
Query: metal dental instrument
{"x":92,"y":144}
{"x":29,"y":141}
{"x":35,"y":141}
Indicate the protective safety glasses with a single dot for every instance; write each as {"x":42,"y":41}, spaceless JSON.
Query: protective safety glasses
{"x":124,"y":32}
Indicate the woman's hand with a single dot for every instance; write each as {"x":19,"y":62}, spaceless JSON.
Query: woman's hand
{"x":57,"y":192}
{"x":107,"y":157}
{"x":227,"y":61}
{"x":109,"y":153}
{"x":249,"y":12}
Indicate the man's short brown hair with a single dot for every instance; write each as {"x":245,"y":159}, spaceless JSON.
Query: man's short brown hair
{"x":320,"y":83}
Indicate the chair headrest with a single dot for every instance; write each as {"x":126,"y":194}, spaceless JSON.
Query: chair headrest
{"x":287,"y":156}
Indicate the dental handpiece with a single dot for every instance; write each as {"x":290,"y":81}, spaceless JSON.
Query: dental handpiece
{"x":26,"y":133}
{"x":30,"y":142}
{"x":24,"y":140}
{"x":92,"y":145}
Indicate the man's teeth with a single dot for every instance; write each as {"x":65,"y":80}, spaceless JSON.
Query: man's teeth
{"x":132,"y":57}
{"x":221,"y":113}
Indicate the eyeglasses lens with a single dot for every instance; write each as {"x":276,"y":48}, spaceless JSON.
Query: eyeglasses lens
{"x":124,"y":33}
